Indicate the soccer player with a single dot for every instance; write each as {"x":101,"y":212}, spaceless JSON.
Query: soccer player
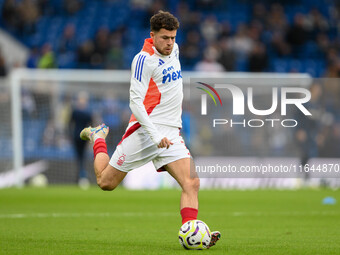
{"x":156,"y":95}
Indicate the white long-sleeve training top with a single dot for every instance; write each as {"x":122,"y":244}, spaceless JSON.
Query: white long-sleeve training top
{"x":156,"y":91}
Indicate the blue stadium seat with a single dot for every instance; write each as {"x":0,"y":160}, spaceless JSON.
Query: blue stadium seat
{"x":114,"y":14}
{"x":33,"y":131}
{"x":295,"y":65}
{"x":241,"y":64}
{"x":280,"y":65}
{"x":67,"y":60}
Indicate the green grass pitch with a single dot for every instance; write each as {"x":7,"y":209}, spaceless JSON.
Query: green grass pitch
{"x":67,"y":220}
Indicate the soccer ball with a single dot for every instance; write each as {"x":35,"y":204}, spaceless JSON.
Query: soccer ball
{"x":39,"y":180}
{"x":194,"y":235}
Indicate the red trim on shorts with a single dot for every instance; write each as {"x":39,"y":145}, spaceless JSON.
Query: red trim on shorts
{"x":161,"y":169}
{"x":132,"y":129}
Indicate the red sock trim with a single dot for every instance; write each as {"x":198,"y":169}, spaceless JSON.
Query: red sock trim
{"x":99,"y":146}
{"x":188,"y":214}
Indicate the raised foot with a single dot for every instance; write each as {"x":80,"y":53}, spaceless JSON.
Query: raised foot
{"x":89,"y":133}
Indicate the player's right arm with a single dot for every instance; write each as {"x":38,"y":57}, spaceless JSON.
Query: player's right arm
{"x":141,"y":76}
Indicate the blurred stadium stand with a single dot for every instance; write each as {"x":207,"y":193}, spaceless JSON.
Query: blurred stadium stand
{"x":285,"y":36}
{"x":241,"y":35}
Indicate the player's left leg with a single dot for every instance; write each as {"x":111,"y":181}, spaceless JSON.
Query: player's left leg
{"x":180,"y":170}
{"x":183,"y":170}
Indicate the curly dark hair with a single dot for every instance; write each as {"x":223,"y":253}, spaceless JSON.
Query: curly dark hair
{"x":164,"y":20}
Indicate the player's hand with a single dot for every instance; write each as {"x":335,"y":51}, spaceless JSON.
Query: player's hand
{"x":165,"y":142}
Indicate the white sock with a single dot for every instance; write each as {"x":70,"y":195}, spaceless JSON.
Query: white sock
{"x":95,"y":137}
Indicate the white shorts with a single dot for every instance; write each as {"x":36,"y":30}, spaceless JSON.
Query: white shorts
{"x":137,"y":149}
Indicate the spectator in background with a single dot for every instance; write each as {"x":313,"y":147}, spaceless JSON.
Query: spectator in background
{"x":68,"y":41}
{"x":140,"y":4}
{"x":44,"y":7}
{"x":258,"y":58}
{"x":47,"y":59}
{"x":72,"y":6}
{"x":314,"y":23}
{"x":333,"y":63}
{"x":9,"y":14}
{"x":279,"y":44}
{"x":255,"y":30}
{"x":241,"y":43}
{"x":80,"y":117}
{"x":260,"y":13}
{"x":153,"y":8}
{"x":333,"y":69}
{"x":191,"y":50}
{"x":228,"y":56}
{"x":209,"y":62}
{"x":210,"y":29}
{"x":84,"y":54}
{"x":101,"y":47}
{"x":28,"y":14}
{"x":184,"y":15}
{"x":194,"y":20}
{"x":276,"y":21}
{"x":323,"y":44}
{"x":225,"y":31}
{"x":3,"y":68}
{"x":297,"y":35}
{"x":115,"y":56}
{"x":332,"y":55}
{"x":33,"y":58}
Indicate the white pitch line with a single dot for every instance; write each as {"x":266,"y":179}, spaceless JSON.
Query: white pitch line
{"x":261,"y":214}
{"x":78,"y":215}
{"x":163,"y":214}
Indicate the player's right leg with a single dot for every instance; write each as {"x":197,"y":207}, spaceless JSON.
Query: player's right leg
{"x":108,"y":177}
